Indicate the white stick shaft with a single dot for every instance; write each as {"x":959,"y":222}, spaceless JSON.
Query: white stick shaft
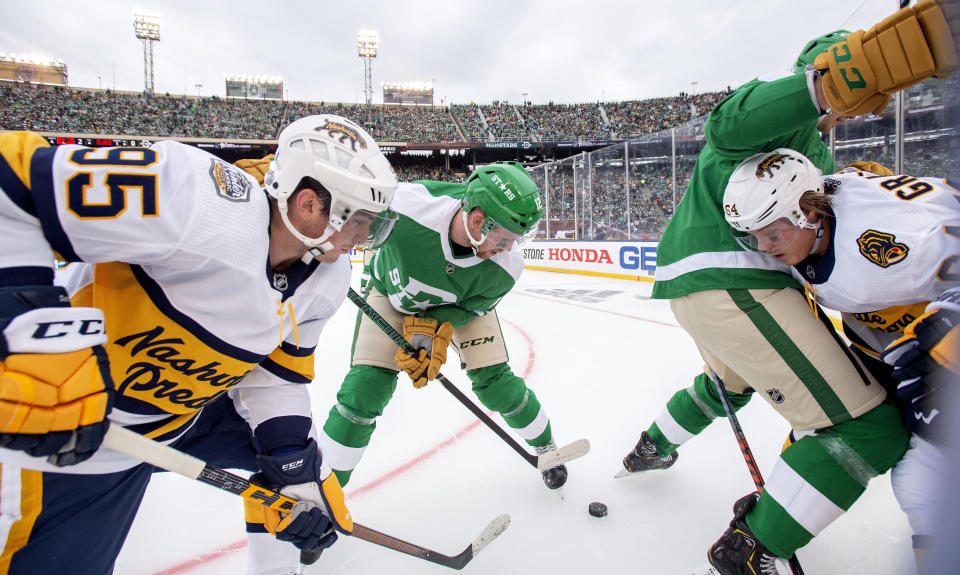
{"x":145,"y":449}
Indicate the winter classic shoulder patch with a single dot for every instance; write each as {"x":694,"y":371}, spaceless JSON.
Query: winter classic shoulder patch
{"x":230,"y":183}
{"x":882,"y":248}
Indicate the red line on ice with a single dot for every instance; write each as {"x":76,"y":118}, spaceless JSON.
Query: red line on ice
{"x":211,"y":556}
{"x":550,"y":299}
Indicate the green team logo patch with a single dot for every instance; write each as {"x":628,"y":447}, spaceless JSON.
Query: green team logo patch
{"x":882,"y":248}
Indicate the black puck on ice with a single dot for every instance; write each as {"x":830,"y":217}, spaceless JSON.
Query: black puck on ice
{"x":597,"y":509}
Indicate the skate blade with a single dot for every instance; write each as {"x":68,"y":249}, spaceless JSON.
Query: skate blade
{"x":705,"y":570}
{"x":624,"y":473}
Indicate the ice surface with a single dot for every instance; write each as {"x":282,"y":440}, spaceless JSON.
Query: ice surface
{"x":603,"y":362}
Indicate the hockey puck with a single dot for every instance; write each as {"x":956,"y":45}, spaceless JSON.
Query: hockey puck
{"x":597,"y":509}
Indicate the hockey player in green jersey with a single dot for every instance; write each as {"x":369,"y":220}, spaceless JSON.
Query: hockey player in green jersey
{"x":748,"y":317}
{"x":452,"y":256}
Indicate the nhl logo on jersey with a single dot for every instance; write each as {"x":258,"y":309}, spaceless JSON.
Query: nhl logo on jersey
{"x":450,"y":268}
{"x":882,"y":248}
{"x":231,"y":184}
{"x":280,"y":281}
{"x":775,"y":395}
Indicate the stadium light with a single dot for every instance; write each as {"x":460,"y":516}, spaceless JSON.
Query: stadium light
{"x":146,"y":27}
{"x":367,"y":43}
{"x":33,"y":68}
{"x":32,"y":59}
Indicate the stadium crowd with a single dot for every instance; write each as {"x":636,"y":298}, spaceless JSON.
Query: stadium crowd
{"x":469,"y":118}
{"x":78,"y":110}
{"x":25,"y":106}
{"x":505,"y":121}
{"x":612,"y":210}
{"x":557,"y":122}
{"x":637,"y":117}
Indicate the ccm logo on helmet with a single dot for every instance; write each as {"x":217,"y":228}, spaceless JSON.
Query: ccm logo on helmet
{"x":345,"y":132}
{"x":52,"y":329}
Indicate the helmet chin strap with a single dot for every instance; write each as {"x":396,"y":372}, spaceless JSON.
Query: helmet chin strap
{"x":475,"y":244}
{"x":804,"y":224}
{"x":816,"y":243}
{"x":316,"y":247}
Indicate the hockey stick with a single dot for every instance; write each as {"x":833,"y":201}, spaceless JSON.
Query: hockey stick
{"x":157,"y":454}
{"x":738,"y":432}
{"x":576,"y":449}
{"x":747,"y":453}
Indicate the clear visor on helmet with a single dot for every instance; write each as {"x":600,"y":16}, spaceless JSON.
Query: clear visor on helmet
{"x":370,"y":230}
{"x":497,"y":236}
{"x":775,"y":238}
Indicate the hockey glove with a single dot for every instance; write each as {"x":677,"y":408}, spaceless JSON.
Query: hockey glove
{"x":256,"y":168}
{"x":431,"y":342}
{"x":55,"y":385}
{"x":321,"y":510}
{"x":861,"y":71}
{"x":924,"y":360}
{"x":872,"y":167}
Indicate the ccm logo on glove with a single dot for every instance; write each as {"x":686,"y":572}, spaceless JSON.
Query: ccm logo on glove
{"x":55,"y":330}
{"x":47,"y":329}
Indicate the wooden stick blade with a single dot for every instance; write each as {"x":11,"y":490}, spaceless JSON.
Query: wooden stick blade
{"x":568,"y":452}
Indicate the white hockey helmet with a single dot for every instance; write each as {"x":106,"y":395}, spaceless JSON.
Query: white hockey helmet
{"x":766,"y":187}
{"x":346,"y":160}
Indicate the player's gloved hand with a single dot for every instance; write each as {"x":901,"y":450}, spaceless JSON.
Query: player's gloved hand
{"x":872,"y":167}
{"x":925,"y":359}
{"x":431,"y":342}
{"x":55,"y":385}
{"x":256,"y":168}
{"x":321,"y":510}
{"x":861,"y":71}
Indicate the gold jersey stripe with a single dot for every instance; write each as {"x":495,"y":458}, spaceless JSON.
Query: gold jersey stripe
{"x":300,"y":365}
{"x":17,"y":149}
{"x":31,"y":503}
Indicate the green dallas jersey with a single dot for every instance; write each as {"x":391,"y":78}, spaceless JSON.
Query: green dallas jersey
{"x":696,"y":251}
{"x":418,"y":269}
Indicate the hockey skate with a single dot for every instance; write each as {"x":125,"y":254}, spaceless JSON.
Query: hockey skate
{"x":644,"y":457}
{"x":554,"y":477}
{"x":738,"y":552}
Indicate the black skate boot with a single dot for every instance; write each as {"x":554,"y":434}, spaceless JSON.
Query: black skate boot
{"x":644,"y":456}
{"x":738,"y":552}
{"x":554,"y":477}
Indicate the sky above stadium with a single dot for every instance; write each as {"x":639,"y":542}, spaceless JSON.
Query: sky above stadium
{"x":541,"y":50}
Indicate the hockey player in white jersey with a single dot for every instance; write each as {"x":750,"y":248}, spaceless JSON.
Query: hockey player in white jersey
{"x":884,"y":250}
{"x":192,"y":320}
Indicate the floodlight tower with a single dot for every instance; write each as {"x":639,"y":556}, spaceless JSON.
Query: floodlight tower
{"x":367,"y":43}
{"x":146,"y":27}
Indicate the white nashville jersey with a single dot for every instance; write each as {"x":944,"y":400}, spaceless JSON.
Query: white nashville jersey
{"x":894,"y":246}
{"x":174,"y":244}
